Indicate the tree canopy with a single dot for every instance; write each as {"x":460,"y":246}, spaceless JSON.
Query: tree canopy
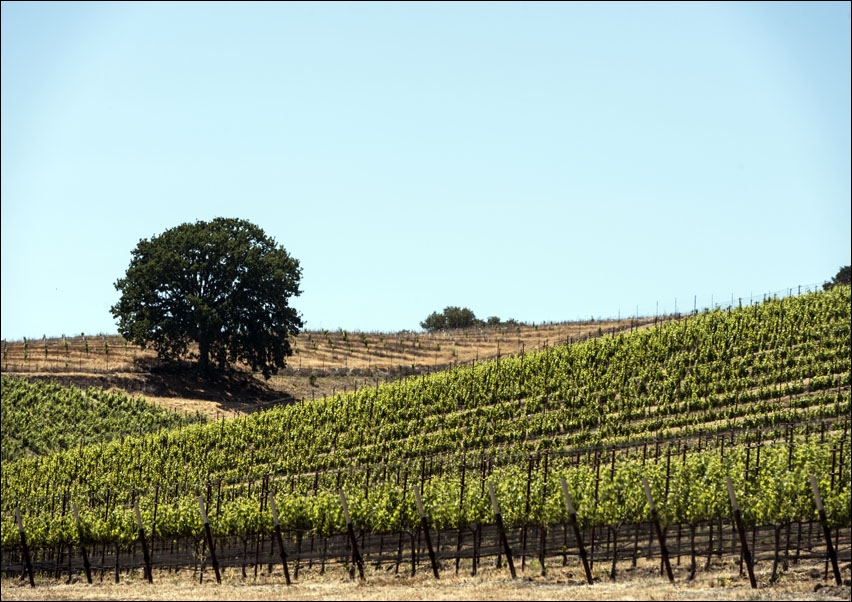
{"x":221,"y":284}
{"x":843,"y":276}
{"x":452,"y":317}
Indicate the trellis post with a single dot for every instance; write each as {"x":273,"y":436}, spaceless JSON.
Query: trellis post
{"x":660,"y":536}
{"x":499,"y":518}
{"x":352,"y":539}
{"x":832,"y":553}
{"x":145,"y":555}
{"x":425,"y":526}
{"x":86,"y":566}
{"x":738,"y":520}
{"x":209,"y":536}
{"x":27,"y":563}
{"x":572,"y":519}
{"x":277,"y":527}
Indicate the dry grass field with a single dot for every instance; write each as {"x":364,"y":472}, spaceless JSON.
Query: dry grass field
{"x":801,"y":582}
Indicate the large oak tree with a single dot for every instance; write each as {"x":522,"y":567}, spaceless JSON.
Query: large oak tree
{"x":221,"y":284}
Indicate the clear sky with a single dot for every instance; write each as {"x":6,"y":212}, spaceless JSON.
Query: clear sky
{"x":536,"y":161}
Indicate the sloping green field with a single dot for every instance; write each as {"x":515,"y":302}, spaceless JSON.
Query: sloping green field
{"x":41,"y":417}
{"x":604,"y":413}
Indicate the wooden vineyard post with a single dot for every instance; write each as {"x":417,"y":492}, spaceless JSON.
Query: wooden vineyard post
{"x":542,"y":529}
{"x":278,"y":538}
{"x":461,"y":507}
{"x":86,"y":565}
{"x":832,"y":553}
{"x":425,"y":526}
{"x":352,"y":539}
{"x":145,"y":555}
{"x":154,"y":516}
{"x":209,"y":536}
{"x":499,"y":518}
{"x":660,"y":536}
{"x":524,"y":529}
{"x":572,"y":518}
{"x":27,"y":563}
{"x":738,"y":520}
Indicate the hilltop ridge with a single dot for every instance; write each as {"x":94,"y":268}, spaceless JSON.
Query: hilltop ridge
{"x":324,"y":362}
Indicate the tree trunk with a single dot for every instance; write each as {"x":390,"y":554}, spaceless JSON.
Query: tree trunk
{"x":203,"y":353}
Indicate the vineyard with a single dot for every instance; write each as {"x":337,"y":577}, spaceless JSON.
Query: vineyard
{"x":41,"y":417}
{"x":722,"y":433}
{"x":324,"y":362}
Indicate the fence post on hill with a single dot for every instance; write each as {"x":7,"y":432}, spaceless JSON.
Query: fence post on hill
{"x":660,"y":536}
{"x":832,"y":553}
{"x":86,"y":566}
{"x":209,"y":536}
{"x":425,"y":526}
{"x":145,"y":555}
{"x":27,"y":563}
{"x":572,"y":518}
{"x":743,"y":543}
{"x":499,"y":518}
{"x":356,"y":555}
{"x":278,"y":538}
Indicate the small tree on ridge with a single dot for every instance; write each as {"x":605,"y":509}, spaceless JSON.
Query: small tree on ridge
{"x":452,"y":317}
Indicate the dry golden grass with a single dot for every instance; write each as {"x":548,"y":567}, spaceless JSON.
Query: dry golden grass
{"x":317,"y":350}
{"x":801,"y":582}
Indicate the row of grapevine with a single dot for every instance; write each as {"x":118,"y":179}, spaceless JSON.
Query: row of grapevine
{"x":706,"y":375}
{"x":41,"y":417}
{"x":689,"y":487}
{"x":245,"y":522}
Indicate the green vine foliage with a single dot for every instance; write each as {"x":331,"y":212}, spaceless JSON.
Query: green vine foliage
{"x":780,"y":367}
{"x":44,"y":417}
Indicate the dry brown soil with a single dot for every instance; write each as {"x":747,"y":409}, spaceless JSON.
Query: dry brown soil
{"x":802,"y":582}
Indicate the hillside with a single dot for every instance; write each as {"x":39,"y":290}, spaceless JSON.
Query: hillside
{"x":324,"y":363}
{"x":43,"y":417}
{"x":707,"y":390}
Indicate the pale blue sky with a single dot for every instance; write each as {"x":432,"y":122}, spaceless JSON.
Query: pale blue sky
{"x":537,"y":161}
